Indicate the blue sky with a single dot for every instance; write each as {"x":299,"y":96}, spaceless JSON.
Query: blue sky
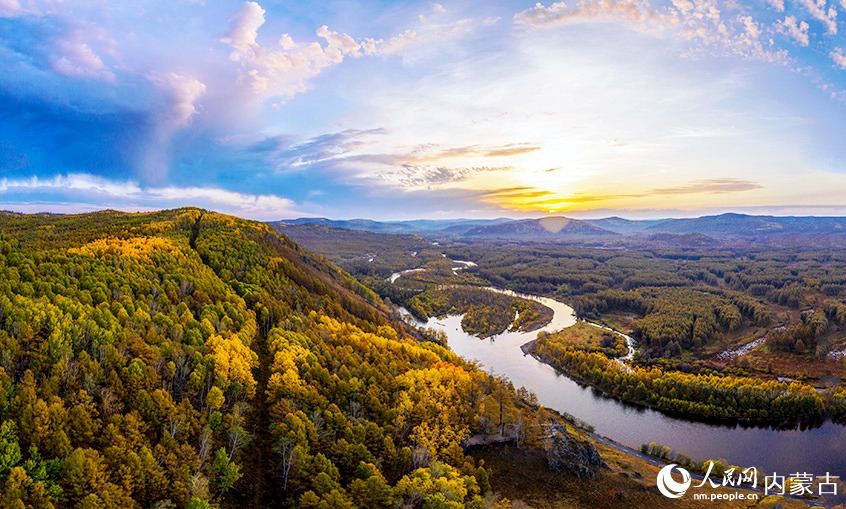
{"x":388,"y":110}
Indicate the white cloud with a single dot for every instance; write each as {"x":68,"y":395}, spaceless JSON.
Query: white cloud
{"x":129,"y":195}
{"x":438,"y":8}
{"x":230,"y":199}
{"x":285,"y":68}
{"x":753,"y":30}
{"x":73,"y":57}
{"x":73,"y":182}
{"x":699,"y":21}
{"x":799,"y":31}
{"x":637,"y":14}
{"x":839,"y":58}
{"x":539,"y":15}
{"x":818,"y":10}
{"x":245,"y":24}
{"x":394,"y":45}
{"x":181,"y":92}
{"x":339,"y":45}
{"x":776,"y":4}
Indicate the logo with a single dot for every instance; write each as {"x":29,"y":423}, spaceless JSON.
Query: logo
{"x":668,"y":486}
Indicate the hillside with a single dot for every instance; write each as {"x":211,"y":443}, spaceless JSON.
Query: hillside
{"x":190,"y":359}
{"x":546,"y":228}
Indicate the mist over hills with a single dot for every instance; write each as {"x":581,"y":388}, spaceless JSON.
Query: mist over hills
{"x":705,"y":230}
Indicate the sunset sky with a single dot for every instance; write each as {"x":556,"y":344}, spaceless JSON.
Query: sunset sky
{"x":400,"y":110}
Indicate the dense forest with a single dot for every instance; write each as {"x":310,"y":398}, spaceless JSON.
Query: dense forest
{"x":782,"y":306}
{"x":707,"y":396}
{"x":190,"y":359}
{"x":719,"y":320}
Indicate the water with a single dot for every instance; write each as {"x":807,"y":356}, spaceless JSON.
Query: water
{"x":815,"y":451}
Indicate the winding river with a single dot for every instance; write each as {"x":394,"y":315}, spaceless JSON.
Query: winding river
{"x":815,"y":451}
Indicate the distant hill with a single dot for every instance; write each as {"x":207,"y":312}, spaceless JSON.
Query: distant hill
{"x":455,"y":226}
{"x":729,"y":227}
{"x":742,"y":224}
{"x":624,"y":226}
{"x":557,"y":227}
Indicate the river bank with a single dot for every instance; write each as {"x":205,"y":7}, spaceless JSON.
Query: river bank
{"x":820,"y":448}
{"x":656,"y":399}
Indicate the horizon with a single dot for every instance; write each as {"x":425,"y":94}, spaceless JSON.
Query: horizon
{"x":454,"y":219}
{"x":640,"y":109}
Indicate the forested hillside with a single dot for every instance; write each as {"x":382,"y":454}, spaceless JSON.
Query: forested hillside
{"x":186,"y":359}
{"x":190,"y":359}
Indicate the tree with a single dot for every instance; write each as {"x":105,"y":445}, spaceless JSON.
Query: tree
{"x":226,"y":471}
{"x":10,"y":449}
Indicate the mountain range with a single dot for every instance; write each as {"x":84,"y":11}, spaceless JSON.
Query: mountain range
{"x":705,"y":230}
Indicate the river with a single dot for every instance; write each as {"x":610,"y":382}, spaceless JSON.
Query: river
{"x":816,"y":451}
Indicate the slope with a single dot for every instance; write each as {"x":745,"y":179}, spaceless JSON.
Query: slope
{"x":185,"y":358}
{"x":189,"y":359}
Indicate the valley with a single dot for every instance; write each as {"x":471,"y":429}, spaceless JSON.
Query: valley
{"x":731,"y":314}
{"x":185,"y":358}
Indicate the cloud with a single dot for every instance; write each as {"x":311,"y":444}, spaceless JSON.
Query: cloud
{"x":698,"y":21}
{"x":368,"y":157}
{"x":526,"y":198}
{"x":327,"y":147}
{"x":75,"y":58}
{"x":409,"y":176}
{"x":818,"y":10}
{"x":799,"y":31}
{"x":9,"y":8}
{"x":776,"y":4}
{"x":338,"y":44}
{"x":426,"y":154}
{"x":510,"y":151}
{"x":285,"y":68}
{"x":394,"y":45}
{"x":350,"y":146}
{"x":181,"y":93}
{"x":710,"y":186}
{"x":434,"y":33}
{"x":128,"y":195}
{"x":532,"y":198}
{"x":244,"y":29}
{"x":516,"y":192}
{"x":72,"y":182}
{"x":541,"y":16}
{"x":839,"y":58}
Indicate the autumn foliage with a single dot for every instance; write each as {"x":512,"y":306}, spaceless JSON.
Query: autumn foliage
{"x":189,"y":359}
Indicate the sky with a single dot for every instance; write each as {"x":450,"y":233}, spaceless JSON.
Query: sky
{"x":401,"y":110}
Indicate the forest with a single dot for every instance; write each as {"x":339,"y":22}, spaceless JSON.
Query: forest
{"x":189,"y":359}
{"x":707,"y":396}
{"x":723,"y":317}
